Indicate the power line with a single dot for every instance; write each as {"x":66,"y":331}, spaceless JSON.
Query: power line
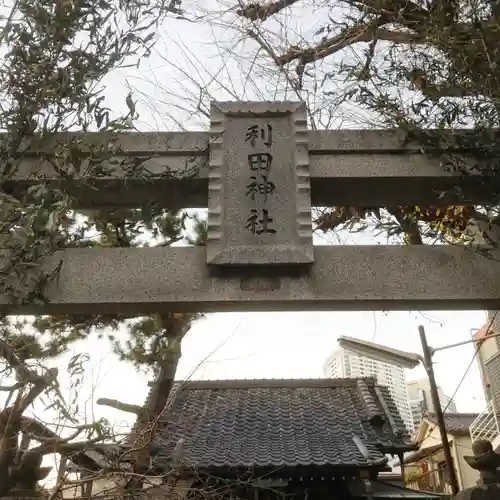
{"x":463,"y":378}
{"x":476,"y":352}
{"x":477,"y":348}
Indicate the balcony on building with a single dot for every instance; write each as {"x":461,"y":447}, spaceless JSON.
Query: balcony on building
{"x":486,"y":425}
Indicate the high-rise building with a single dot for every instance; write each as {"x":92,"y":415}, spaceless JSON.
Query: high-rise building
{"x":419,"y":393}
{"x":344,"y":363}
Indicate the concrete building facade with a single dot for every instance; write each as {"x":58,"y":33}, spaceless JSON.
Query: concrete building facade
{"x":488,"y":357}
{"x":344,"y":363}
{"x":419,"y":394}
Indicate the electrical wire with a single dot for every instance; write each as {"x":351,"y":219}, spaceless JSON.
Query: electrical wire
{"x":452,"y":397}
{"x":476,"y":352}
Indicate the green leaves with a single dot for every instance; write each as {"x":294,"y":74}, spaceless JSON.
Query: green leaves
{"x":56,"y":53}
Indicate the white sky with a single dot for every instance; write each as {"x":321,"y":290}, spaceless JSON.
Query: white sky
{"x":259,"y":345}
{"x":255,"y":345}
{"x":290,"y":345}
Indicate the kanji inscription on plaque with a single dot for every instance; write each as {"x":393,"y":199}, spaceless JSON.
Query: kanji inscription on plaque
{"x":259,"y":207}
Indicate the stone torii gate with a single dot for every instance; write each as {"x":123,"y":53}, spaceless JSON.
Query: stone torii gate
{"x":259,"y":170}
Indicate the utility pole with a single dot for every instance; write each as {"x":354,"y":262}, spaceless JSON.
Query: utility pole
{"x":427,"y":355}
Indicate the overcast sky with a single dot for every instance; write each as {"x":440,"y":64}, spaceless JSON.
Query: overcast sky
{"x":289,"y":345}
{"x":258,"y":345}
{"x":294,"y":345}
{"x":255,"y":345}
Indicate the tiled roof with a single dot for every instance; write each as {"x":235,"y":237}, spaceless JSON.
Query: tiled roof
{"x":456,"y":424}
{"x":276,"y":423}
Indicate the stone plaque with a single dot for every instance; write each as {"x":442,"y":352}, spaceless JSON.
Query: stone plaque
{"x":259,"y":204}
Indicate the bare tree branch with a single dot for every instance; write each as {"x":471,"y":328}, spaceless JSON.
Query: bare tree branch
{"x":37,"y":429}
{"x":403,"y":12}
{"x":11,"y":388}
{"x":255,"y":12}
{"x":56,"y":439}
{"x":119,"y":405}
{"x":362,"y":32}
{"x":11,"y":417}
{"x":63,"y":446}
{"x":24,"y":373}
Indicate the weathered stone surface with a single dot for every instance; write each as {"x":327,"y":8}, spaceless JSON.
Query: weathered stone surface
{"x":486,"y":461}
{"x":125,"y":142}
{"x":347,"y":167}
{"x":259,"y":205}
{"x":146,"y":280}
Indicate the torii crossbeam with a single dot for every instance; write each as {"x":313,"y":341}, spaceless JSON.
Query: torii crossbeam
{"x":258,"y":171}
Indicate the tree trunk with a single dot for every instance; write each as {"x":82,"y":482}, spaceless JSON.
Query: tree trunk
{"x":149,"y":420}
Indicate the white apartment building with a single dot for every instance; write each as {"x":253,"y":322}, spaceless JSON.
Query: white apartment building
{"x":343,"y":363}
{"x":419,"y":393}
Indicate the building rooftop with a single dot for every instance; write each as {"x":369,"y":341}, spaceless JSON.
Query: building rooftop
{"x":239,"y":424}
{"x":456,"y":423}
